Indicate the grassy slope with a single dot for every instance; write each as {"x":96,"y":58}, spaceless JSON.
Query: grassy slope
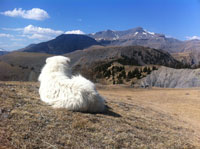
{"x":138,"y":118}
{"x":26,"y":66}
{"x":25,"y":58}
{"x":21,"y":66}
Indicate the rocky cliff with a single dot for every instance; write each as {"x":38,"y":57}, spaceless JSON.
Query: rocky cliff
{"x":172,"y":78}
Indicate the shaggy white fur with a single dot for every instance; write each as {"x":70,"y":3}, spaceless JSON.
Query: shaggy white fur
{"x":62,"y":90}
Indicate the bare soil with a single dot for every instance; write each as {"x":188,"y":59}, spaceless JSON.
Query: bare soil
{"x":135,"y":118}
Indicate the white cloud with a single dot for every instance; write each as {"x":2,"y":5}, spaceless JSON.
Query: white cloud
{"x":27,"y":35}
{"x":39,"y":37}
{"x":31,"y":34}
{"x":35,"y":36}
{"x":75,"y":32}
{"x":6,"y":35}
{"x":30,"y":29}
{"x":34,"y":14}
{"x":35,"y":32}
{"x":193,"y":37}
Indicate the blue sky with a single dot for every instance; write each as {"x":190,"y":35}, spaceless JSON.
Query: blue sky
{"x":23,"y":22}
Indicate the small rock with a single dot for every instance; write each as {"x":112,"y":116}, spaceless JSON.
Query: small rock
{"x":12,"y":89}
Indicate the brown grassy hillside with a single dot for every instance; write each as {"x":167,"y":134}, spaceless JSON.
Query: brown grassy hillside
{"x":26,"y":66}
{"x":25,"y":58}
{"x":190,"y":58}
{"x":21,"y":66}
{"x":137,"y":118}
{"x":116,"y":73}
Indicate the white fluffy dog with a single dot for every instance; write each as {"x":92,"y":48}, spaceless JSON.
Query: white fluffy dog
{"x":62,"y":90}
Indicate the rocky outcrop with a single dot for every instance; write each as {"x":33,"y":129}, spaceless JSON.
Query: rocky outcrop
{"x":172,"y":78}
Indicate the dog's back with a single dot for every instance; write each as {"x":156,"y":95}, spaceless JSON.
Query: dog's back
{"x":61,"y":91}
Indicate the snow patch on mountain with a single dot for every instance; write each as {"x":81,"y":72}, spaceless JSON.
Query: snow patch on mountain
{"x":116,"y":37}
{"x":136,"y":33}
{"x":152,"y":33}
{"x":144,"y":33}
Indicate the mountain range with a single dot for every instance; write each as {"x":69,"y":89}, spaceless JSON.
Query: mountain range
{"x":67,"y":43}
{"x":142,"y":37}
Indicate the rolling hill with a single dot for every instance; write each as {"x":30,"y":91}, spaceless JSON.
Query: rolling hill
{"x":127,"y":55}
{"x":21,"y":66}
{"x":95,"y":60}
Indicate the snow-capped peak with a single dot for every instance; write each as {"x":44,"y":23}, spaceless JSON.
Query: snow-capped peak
{"x":152,"y":33}
{"x":144,"y":33}
{"x":116,"y":37}
{"x":75,"y":32}
{"x":136,"y":33}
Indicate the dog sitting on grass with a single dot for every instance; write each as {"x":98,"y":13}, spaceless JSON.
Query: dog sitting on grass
{"x":60,"y":89}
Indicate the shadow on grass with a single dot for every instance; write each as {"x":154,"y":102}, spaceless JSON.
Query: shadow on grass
{"x":108,"y":111}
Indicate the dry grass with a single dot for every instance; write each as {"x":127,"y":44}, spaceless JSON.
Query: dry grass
{"x":183,"y":57}
{"x":137,"y":118}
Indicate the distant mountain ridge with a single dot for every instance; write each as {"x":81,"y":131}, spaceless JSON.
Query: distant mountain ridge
{"x":67,"y":43}
{"x":142,"y":37}
{"x":64,"y":43}
{"x":138,"y":32}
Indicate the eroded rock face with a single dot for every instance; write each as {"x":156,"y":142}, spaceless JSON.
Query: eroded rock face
{"x":172,"y":78}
